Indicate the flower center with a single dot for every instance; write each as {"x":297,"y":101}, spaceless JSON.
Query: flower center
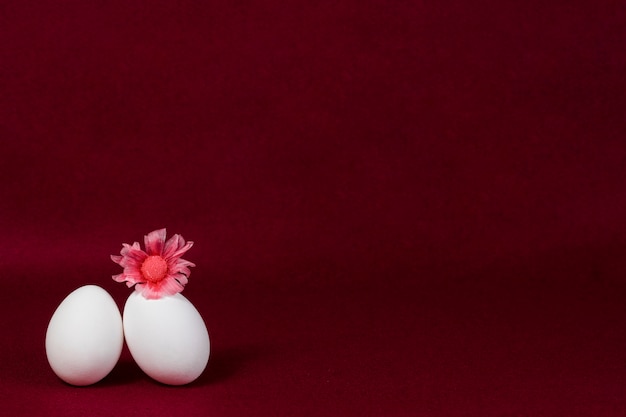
{"x":154,"y":268}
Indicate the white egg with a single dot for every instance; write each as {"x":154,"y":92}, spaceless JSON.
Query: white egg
{"x":167,"y":338}
{"x":85,"y":336}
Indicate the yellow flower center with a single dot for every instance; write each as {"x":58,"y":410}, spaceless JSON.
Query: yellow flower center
{"x":154,"y":268}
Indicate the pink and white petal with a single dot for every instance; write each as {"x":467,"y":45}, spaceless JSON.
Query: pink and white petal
{"x":169,"y":286}
{"x":172,"y":245}
{"x":151,"y":291}
{"x":126,"y":247}
{"x":155,"y":242}
{"x":185,"y":262}
{"x":181,"y":250}
{"x":124,"y":278}
{"x":145,"y":291}
{"x":119,"y":277}
{"x":132,"y":274}
{"x":117,"y":258}
{"x":182,"y":270}
{"x":134,"y":258}
{"x":181,"y":278}
{"x":176,"y":265}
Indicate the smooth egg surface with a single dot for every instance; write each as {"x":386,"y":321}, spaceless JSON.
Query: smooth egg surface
{"x":167,"y":338}
{"x":85,"y":336}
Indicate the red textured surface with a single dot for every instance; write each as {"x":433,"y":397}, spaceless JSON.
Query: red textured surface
{"x":399,"y":208}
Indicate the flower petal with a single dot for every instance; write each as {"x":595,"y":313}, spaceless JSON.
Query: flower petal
{"x":182,"y":270}
{"x":146,"y":291}
{"x":134,"y":258}
{"x":176,"y":265}
{"x":166,"y":287}
{"x":155,"y":242}
{"x":119,"y":277}
{"x":184,"y":262}
{"x":181,"y":250}
{"x":181,"y":278}
{"x":172,"y":245}
{"x":126,"y":248}
{"x":130,"y":256}
{"x":133,"y":274}
{"x":170,"y":286}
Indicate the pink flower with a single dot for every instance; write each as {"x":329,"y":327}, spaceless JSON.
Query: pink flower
{"x":157,"y":272}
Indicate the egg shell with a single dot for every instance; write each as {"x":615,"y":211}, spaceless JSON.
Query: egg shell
{"x":85,"y":336}
{"x":167,"y":338}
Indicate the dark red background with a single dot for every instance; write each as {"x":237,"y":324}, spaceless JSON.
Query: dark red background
{"x":399,"y":208}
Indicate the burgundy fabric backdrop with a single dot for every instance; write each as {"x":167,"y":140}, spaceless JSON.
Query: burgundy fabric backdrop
{"x":399,"y":208}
